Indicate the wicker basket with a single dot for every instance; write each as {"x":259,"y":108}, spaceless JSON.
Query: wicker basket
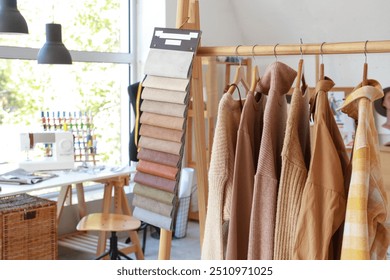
{"x":28,"y":228}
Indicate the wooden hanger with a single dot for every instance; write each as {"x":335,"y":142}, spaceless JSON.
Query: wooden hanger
{"x":365,"y":69}
{"x":255,"y":78}
{"x":365,"y":66}
{"x":239,"y":78}
{"x":322,"y":75}
{"x":300,"y":76}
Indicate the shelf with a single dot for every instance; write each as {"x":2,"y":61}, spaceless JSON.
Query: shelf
{"x":85,"y":242}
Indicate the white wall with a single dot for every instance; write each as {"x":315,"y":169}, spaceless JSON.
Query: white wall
{"x":248,"y":22}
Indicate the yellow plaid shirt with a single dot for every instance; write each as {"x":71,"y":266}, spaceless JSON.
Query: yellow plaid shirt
{"x":366,"y":230}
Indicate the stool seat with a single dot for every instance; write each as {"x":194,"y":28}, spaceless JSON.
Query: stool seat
{"x":108,"y":222}
{"x":113,"y":223}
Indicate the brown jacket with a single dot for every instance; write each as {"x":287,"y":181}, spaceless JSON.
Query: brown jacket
{"x":277,"y":81}
{"x":323,"y":202}
{"x":247,"y":153}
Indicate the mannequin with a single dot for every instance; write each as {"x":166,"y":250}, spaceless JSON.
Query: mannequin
{"x":132,"y":91}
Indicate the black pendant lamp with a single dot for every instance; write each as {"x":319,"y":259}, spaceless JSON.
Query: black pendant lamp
{"x":54,"y":51}
{"x":11,"y":20}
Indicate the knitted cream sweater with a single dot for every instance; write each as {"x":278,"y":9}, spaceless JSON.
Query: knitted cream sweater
{"x":295,"y":164}
{"x":221,"y":177}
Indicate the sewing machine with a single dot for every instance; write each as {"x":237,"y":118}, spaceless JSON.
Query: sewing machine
{"x":55,"y":153}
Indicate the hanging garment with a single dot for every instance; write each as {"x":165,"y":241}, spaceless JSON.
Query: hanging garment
{"x":277,"y":81}
{"x":247,"y":153}
{"x":367,"y":221}
{"x":221,"y":176}
{"x":295,"y":164}
{"x":323,"y":201}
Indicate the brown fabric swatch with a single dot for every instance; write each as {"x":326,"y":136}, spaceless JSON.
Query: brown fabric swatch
{"x":164,"y":108}
{"x":153,"y":205}
{"x":161,"y":133}
{"x":155,"y":194}
{"x":160,"y":145}
{"x":163,"y":121}
{"x":162,"y":95}
{"x":155,"y":182}
{"x":157,"y":169}
{"x":159,"y":157}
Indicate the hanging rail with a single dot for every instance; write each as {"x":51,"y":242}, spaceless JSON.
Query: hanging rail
{"x":295,"y":49}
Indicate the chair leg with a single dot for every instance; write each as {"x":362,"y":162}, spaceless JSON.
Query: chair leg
{"x":113,"y":251}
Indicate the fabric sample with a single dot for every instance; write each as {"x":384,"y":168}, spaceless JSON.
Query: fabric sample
{"x":153,"y":205}
{"x":164,"y":108}
{"x":158,"y":82}
{"x":247,"y":153}
{"x":159,"y":157}
{"x":221,"y":177}
{"x":153,"y":218}
{"x":163,"y":121}
{"x":162,"y":133}
{"x":276,"y":81}
{"x":322,"y":208}
{"x":162,"y":95}
{"x":157,"y":169}
{"x":168,"y":63}
{"x":295,"y":165}
{"x":160,"y":145}
{"x":367,"y":221}
{"x":155,"y":182}
{"x":155,"y":194}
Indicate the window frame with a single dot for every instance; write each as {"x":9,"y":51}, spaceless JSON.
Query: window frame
{"x":129,"y":58}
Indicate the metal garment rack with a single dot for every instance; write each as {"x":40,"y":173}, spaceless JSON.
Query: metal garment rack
{"x":188,"y":18}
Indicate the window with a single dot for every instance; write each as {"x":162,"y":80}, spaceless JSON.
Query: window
{"x":97,"y":34}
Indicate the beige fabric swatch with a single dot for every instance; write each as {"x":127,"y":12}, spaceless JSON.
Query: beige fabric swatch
{"x":160,"y":145}
{"x":168,"y":63}
{"x":153,"y":205}
{"x":165,"y":83}
{"x":161,"y":133}
{"x":155,"y":194}
{"x":162,"y":121}
{"x":163,"y":95}
{"x":164,"y":108}
{"x":153,"y":218}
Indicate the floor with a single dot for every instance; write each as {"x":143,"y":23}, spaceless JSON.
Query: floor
{"x":186,"y":248}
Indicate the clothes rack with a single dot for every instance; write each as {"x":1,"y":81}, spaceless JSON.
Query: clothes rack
{"x":188,"y":18}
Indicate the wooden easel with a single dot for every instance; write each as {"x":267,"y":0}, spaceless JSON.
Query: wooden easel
{"x":188,"y":18}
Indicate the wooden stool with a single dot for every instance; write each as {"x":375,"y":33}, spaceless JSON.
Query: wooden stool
{"x":112,"y":223}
